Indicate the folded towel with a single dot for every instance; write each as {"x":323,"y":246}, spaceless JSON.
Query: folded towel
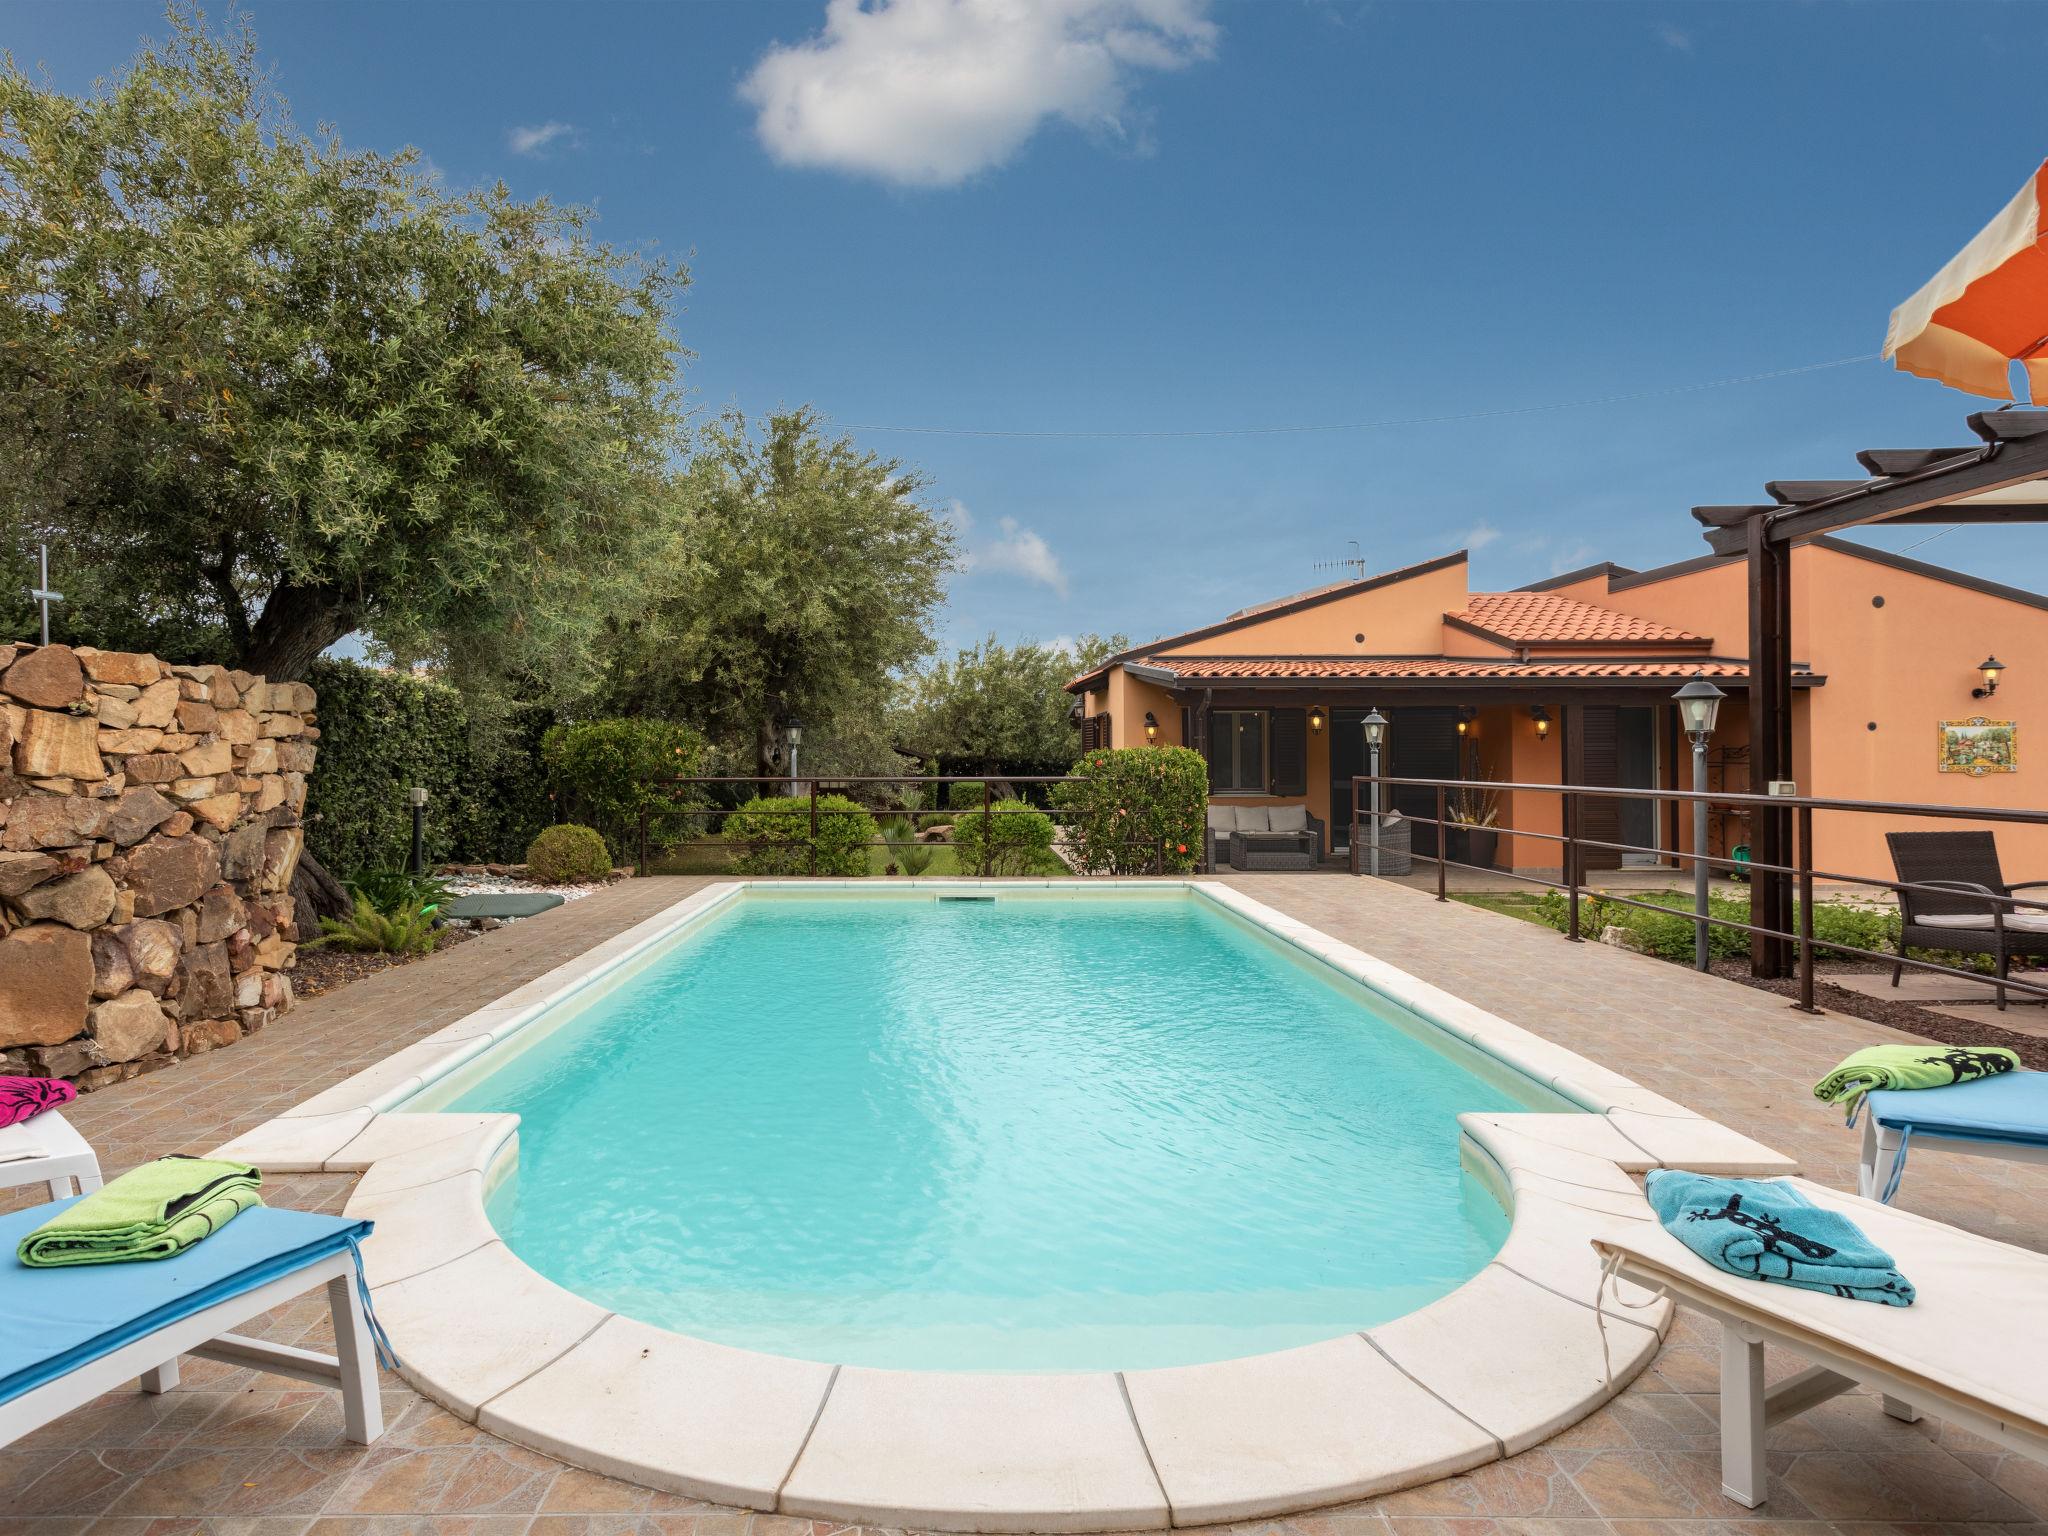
{"x":1764,"y":1229}
{"x":151,"y":1212}
{"x":23,"y":1097}
{"x":1910,"y":1066}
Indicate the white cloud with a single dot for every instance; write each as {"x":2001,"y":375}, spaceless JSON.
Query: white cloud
{"x":927,"y":93}
{"x":1017,"y":551}
{"x":539,"y":138}
{"x":1478,"y":536}
{"x":1674,"y":39}
{"x":1573,"y":558}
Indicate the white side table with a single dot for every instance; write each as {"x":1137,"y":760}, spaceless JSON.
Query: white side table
{"x":57,"y":1155}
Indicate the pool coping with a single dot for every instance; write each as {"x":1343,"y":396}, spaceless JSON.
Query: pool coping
{"x":1524,"y":1349}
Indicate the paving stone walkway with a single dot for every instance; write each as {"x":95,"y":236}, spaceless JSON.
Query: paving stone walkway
{"x":237,"y":1454}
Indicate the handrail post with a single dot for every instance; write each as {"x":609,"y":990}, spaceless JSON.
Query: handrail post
{"x":640,"y":866}
{"x":988,"y":843}
{"x":1571,"y":862}
{"x":1441,"y":866}
{"x":814,"y":828}
{"x":1805,"y":1003}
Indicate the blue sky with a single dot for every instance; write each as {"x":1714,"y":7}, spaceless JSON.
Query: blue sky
{"x":1155,"y":215}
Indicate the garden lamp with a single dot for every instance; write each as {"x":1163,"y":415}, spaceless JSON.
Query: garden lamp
{"x":1375,"y":733}
{"x":1699,"y":703}
{"x":419,"y":829}
{"x":793,"y":733}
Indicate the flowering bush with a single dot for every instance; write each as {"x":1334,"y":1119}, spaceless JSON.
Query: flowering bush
{"x":1135,"y":810}
{"x":782,"y":829}
{"x":1019,"y":840}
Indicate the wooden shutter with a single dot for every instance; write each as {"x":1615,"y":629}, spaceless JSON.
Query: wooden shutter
{"x":1288,"y":751}
{"x":1187,"y":723}
{"x":1596,"y":759}
{"x":1095,"y":732}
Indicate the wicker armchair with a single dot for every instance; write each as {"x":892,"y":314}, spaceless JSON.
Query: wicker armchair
{"x":1970,"y":906}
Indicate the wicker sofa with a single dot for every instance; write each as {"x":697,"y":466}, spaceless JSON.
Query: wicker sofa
{"x":1264,"y":837}
{"x":1971,"y":905}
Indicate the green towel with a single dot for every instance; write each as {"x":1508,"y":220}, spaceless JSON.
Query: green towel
{"x":151,"y":1212}
{"x":1910,"y":1066}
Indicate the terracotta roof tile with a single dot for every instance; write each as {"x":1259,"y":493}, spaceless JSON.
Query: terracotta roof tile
{"x":1544,"y":618}
{"x":1344,"y":668}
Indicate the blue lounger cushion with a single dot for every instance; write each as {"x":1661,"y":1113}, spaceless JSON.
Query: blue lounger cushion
{"x":58,"y":1319}
{"x":2012,"y":1106}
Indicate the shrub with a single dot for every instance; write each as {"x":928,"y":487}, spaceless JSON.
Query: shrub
{"x":781,"y":829}
{"x":1018,"y":840}
{"x":408,"y":931}
{"x":1124,"y":806}
{"x":966,"y":795}
{"x":383,"y":732}
{"x":608,"y":772}
{"x":567,"y":855}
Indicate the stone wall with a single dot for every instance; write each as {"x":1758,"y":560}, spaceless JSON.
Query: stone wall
{"x":149,"y":827}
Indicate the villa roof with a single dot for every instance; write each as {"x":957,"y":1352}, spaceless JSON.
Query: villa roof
{"x":1544,"y":618}
{"x":1449,"y":668}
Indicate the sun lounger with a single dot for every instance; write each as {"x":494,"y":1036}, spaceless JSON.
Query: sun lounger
{"x":44,"y":1149}
{"x":1972,"y":1349}
{"x":2004,"y":1116}
{"x":72,"y":1334}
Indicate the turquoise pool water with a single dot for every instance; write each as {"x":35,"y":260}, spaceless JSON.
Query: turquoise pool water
{"x":1019,"y":1135}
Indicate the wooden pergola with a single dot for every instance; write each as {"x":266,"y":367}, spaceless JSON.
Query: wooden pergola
{"x":2003,"y":479}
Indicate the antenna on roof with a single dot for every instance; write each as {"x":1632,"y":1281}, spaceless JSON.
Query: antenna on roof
{"x":1354,"y":566}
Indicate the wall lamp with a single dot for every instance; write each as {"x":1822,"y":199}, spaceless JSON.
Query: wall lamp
{"x":1541,"y":716}
{"x":1465,"y":715}
{"x":1151,"y":726}
{"x":1315,"y":717}
{"x":1990,"y":666}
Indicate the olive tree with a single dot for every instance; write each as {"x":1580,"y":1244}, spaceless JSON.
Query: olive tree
{"x":265,"y":387}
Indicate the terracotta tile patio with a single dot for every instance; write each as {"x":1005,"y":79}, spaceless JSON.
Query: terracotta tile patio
{"x":238,"y":1454}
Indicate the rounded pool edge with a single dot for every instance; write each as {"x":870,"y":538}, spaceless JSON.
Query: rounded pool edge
{"x":1519,"y":1352}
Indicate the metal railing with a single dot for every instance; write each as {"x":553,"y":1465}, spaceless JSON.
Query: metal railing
{"x":801,"y":796}
{"x":1803,"y":871}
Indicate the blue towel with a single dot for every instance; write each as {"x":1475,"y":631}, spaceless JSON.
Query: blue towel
{"x":1764,"y":1229}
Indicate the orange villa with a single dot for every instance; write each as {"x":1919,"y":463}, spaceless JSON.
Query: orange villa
{"x":1570,"y":680}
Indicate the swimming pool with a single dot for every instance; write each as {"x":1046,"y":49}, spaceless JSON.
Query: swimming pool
{"x":1024,"y":1134}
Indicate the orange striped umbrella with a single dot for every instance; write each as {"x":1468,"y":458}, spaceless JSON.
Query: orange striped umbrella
{"x":1986,"y":309}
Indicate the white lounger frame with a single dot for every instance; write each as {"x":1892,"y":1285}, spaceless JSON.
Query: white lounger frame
{"x":67,"y":1156}
{"x":1749,"y":1408}
{"x":1881,"y":1145}
{"x":207,"y":1335}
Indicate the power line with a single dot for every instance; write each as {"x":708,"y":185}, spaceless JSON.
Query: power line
{"x":1383,"y":422}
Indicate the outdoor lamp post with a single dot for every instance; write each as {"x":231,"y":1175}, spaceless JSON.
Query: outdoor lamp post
{"x":1990,"y":666}
{"x":1375,"y":733}
{"x":1699,"y":702}
{"x":419,"y":829}
{"x":793,"y":733}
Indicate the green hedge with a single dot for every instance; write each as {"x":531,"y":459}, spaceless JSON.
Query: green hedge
{"x":607,"y":772}
{"x":782,"y":826}
{"x":1019,"y":840}
{"x":383,"y":732}
{"x":1134,"y":810}
{"x":966,"y":795}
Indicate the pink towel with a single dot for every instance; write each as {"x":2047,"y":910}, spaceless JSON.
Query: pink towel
{"x":21,"y":1098}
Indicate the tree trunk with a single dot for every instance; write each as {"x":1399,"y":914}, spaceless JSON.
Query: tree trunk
{"x":766,"y":739}
{"x":315,"y":894}
{"x":296,"y":625}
